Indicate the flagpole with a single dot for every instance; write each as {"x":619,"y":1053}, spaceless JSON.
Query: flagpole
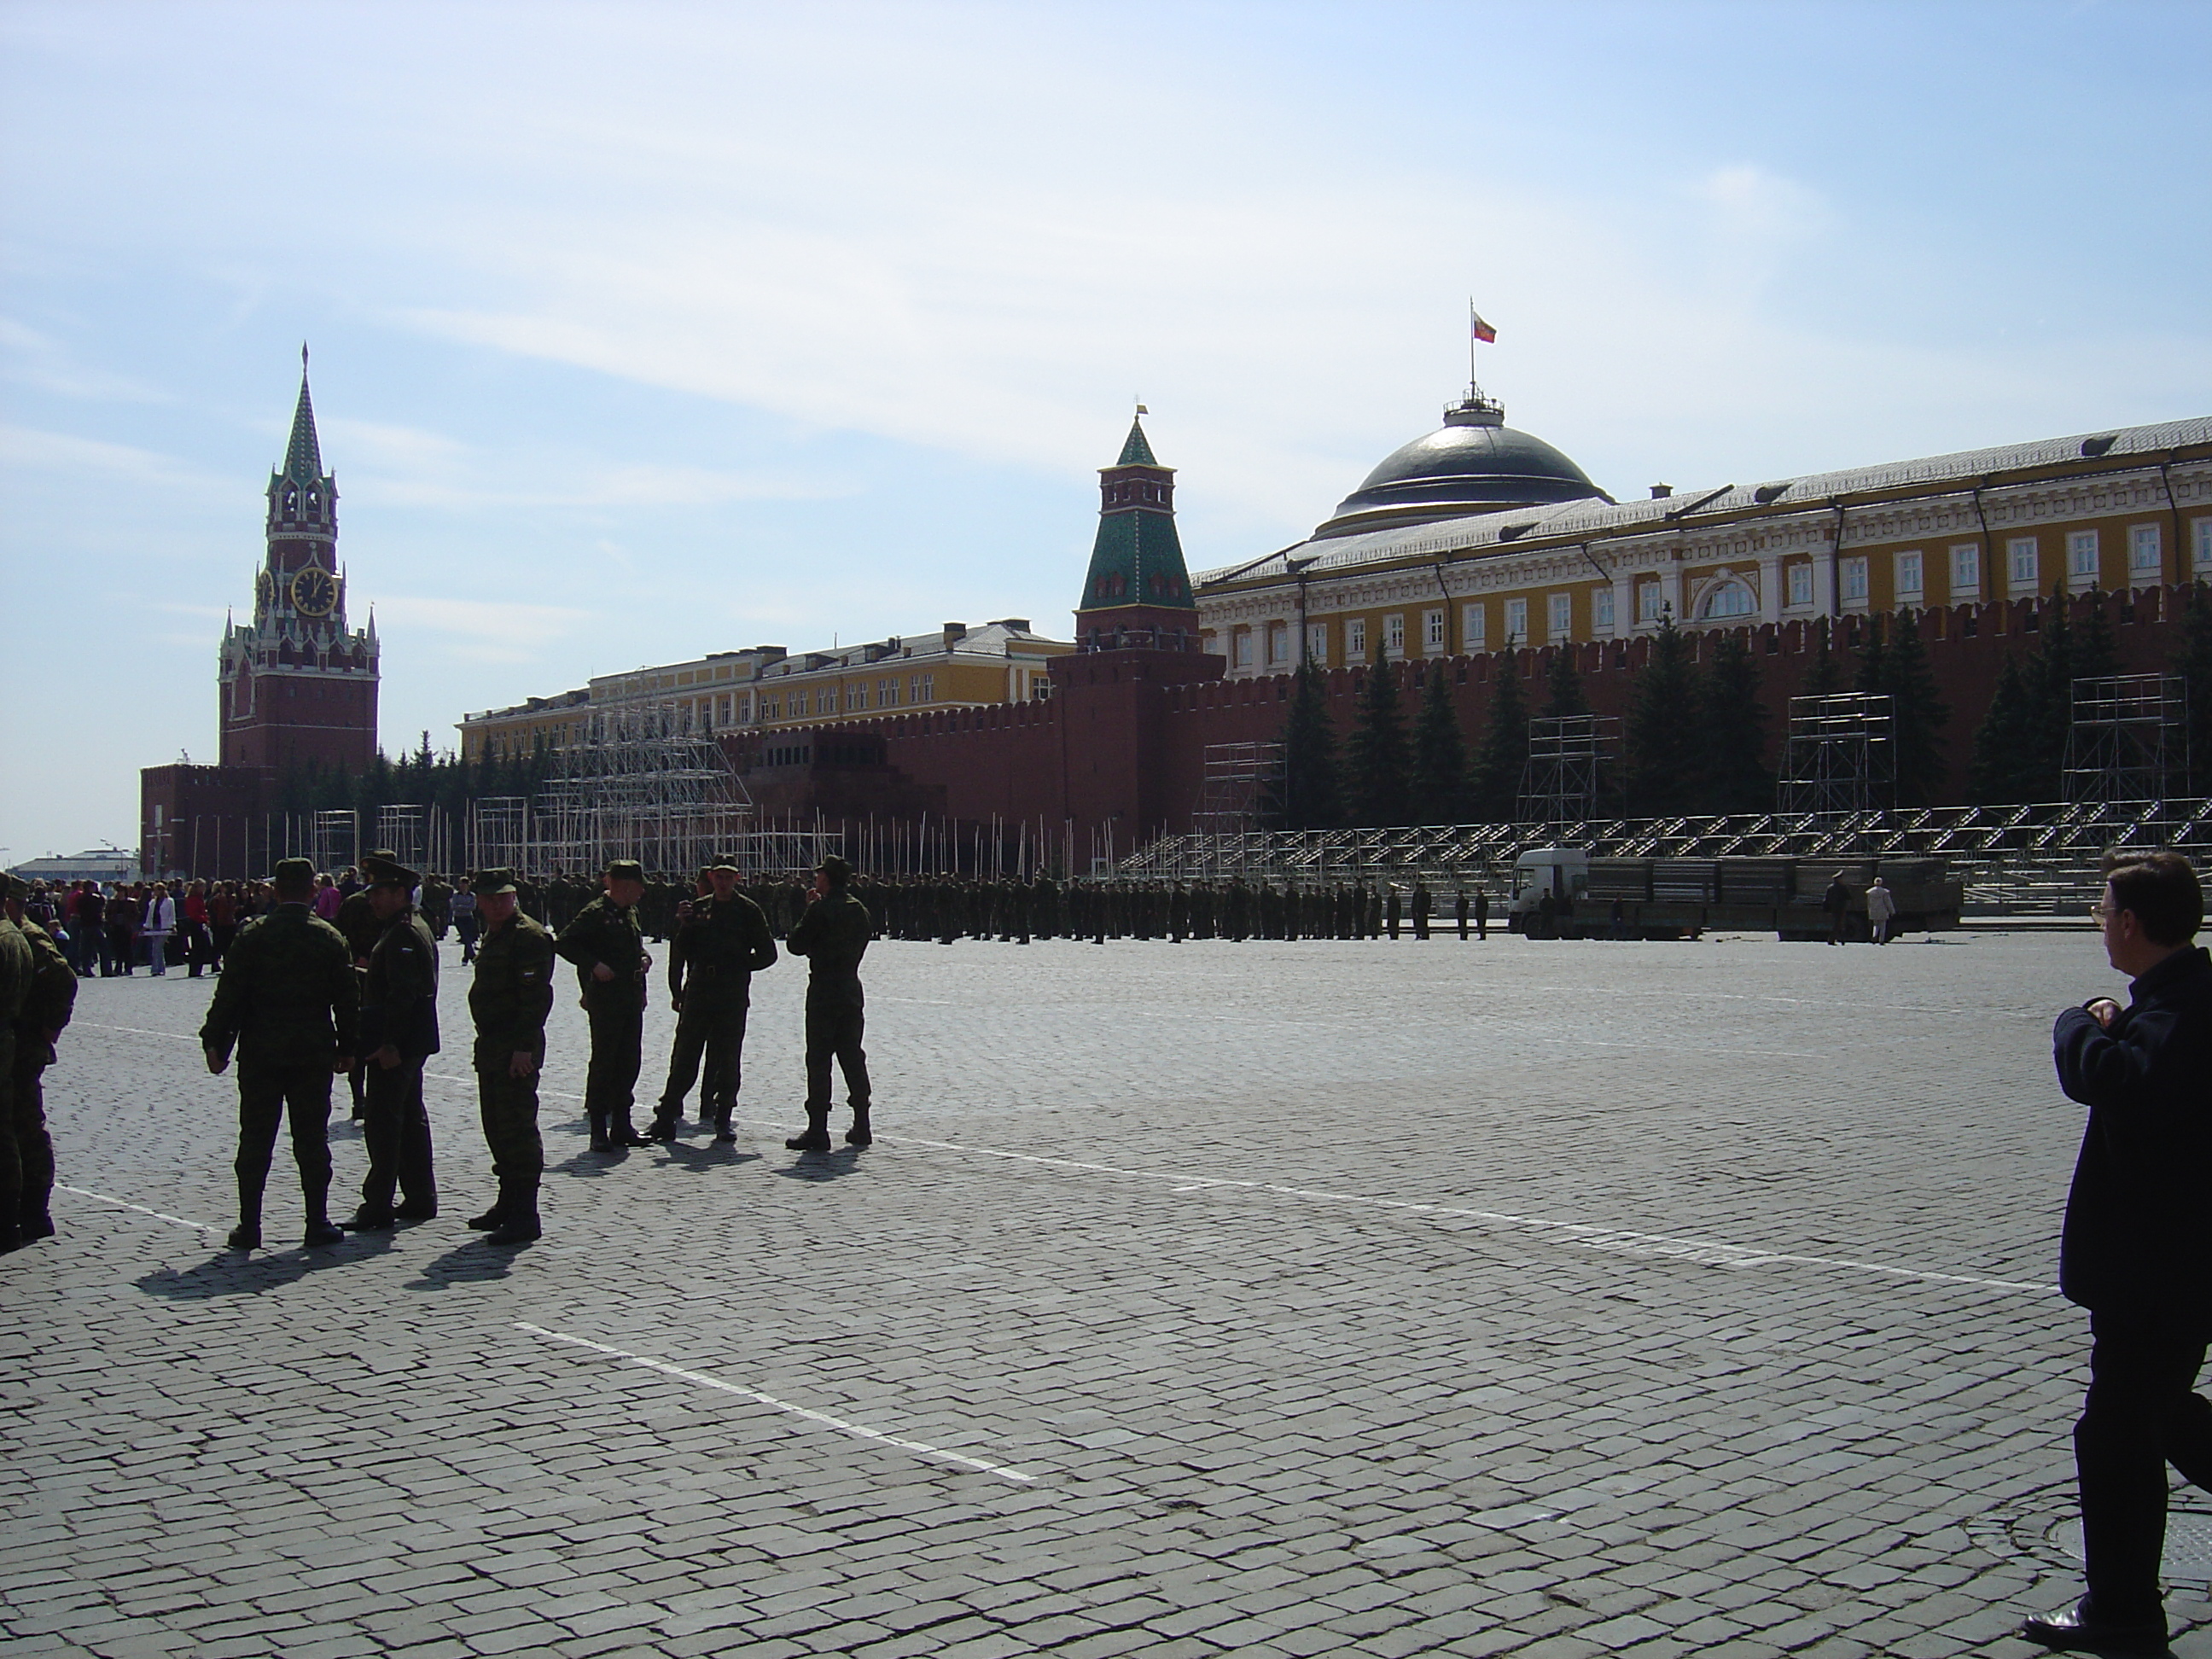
{"x":1473,"y":381}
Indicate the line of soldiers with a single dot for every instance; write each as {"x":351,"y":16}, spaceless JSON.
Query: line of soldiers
{"x":38,"y":990}
{"x":301,"y":1000}
{"x":947,"y":909}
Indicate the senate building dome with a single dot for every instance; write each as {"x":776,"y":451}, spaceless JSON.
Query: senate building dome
{"x":1475,"y":463}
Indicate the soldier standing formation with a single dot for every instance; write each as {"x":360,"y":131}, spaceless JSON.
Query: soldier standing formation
{"x":398,"y":1034}
{"x":288,"y":999}
{"x":713,"y":955}
{"x":26,"y":1152}
{"x":609,"y":952}
{"x":833,"y":936}
{"x":508,"y":1000}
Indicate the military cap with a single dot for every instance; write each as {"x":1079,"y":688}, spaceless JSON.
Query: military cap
{"x":382,"y":870}
{"x":835,"y":868}
{"x":725,"y":862}
{"x":384,"y":853}
{"x":625,"y":870}
{"x":489,"y":884}
{"x":295,"y":871}
{"x":14,"y":887}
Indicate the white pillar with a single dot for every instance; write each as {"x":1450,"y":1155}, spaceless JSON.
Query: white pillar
{"x":1770,"y":587}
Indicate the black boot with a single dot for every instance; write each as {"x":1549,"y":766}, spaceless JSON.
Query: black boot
{"x":518,"y":1223}
{"x":491,"y":1218}
{"x":860,"y":1134}
{"x":316,"y":1201}
{"x":626,"y":1134}
{"x":722,"y":1129}
{"x":600,"y":1141}
{"x":246,"y":1236}
{"x":817,"y":1137}
{"x":36,"y":1227}
{"x":663,"y":1127}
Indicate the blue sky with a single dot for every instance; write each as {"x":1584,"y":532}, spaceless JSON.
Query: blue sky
{"x":644,"y":330}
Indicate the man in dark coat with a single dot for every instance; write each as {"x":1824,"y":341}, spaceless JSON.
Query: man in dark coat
{"x":832,"y":936}
{"x":26,"y":1156}
{"x":398,"y":1034}
{"x":289,"y":1000}
{"x":2137,"y":1247}
{"x":719,"y":945}
{"x":508,"y":1000}
{"x":604,"y":941}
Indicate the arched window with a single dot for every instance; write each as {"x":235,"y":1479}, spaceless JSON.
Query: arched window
{"x":1731,"y":598}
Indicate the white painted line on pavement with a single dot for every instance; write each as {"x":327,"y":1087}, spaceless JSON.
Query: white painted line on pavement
{"x":125,"y":1203}
{"x":1617,"y":1239}
{"x":860,"y":1431}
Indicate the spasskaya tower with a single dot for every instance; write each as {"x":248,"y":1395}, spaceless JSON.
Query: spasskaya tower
{"x":296,"y":684}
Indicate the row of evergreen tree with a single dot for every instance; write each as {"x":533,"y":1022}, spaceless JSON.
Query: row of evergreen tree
{"x":1696,"y":738}
{"x":423,"y":778}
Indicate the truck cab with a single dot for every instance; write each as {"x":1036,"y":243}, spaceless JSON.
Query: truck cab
{"x":1561,"y":871}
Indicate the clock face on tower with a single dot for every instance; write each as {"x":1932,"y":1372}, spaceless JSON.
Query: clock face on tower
{"x":314,"y":591}
{"x":265,"y":590}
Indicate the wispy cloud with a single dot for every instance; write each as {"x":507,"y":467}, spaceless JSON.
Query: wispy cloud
{"x":27,"y":449}
{"x":33,"y":359}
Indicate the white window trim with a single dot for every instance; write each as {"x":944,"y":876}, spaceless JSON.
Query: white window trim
{"x":2014,"y":582}
{"x":1853,"y":564}
{"x":1553,"y":603}
{"x":1797,"y":573}
{"x":1355,"y":640}
{"x":1517,"y":609}
{"x":1601,"y":610}
{"x":2200,"y":538}
{"x":2080,"y":581}
{"x":1474,"y":625}
{"x":1962,"y":590}
{"x":1436,"y":634}
{"x":1394,"y":636}
{"x":2155,"y":534}
{"x":1919,"y":567}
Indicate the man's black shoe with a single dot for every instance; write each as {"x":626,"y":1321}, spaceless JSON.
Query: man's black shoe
{"x":489,"y":1219}
{"x":724,"y":1132}
{"x":415,"y":1211}
{"x":661,"y":1130}
{"x":322,"y":1232}
{"x":520,"y":1230}
{"x":814,"y":1140}
{"x":2077,"y":1626}
{"x":860,"y":1135}
{"x":243,"y":1238}
{"x":627,"y":1136}
{"x":368,"y":1221}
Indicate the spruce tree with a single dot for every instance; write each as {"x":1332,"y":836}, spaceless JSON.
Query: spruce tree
{"x":2096,"y":653}
{"x":1823,"y":674}
{"x":1564,"y":685}
{"x":1664,"y":766}
{"x":1376,"y":760}
{"x":1997,"y":774}
{"x":1439,"y":755}
{"x":2192,"y":660}
{"x":2050,"y":686}
{"x":1503,"y":755}
{"x":1307,"y":796}
{"x":1737,"y":778}
{"x":1874,"y":662}
{"x":1917,"y":713}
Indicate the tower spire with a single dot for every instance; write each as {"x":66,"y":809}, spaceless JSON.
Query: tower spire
{"x":303,"y":454}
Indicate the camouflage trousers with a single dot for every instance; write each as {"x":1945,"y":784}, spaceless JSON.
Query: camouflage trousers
{"x":26,"y":1152}
{"x":508,"y":1106}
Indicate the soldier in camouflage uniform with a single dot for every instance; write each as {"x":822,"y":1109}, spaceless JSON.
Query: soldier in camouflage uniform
{"x":398,"y":1034}
{"x":26,"y":1156}
{"x":833,"y":935}
{"x":17,"y":968}
{"x":508,"y":1000}
{"x":356,"y":919}
{"x":603,"y":942}
{"x":716,"y":951}
{"x":289,"y":1000}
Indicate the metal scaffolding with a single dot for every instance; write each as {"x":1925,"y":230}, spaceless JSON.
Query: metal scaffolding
{"x":1839,"y":756}
{"x":644,"y":784}
{"x":403,"y":832}
{"x":2128,"y":739}
{"x":334,"y":839}
{"x":1565,"y":776}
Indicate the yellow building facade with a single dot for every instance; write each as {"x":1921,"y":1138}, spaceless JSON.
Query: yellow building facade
{"x":767,"y":687}
{"x":1477,"y":538}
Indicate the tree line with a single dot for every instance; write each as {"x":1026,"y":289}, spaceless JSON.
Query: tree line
{"x":423,"y":778}
{"x":1697,"y":737}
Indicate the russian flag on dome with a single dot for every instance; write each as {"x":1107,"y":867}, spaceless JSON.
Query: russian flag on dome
{"x":1483,"y":332}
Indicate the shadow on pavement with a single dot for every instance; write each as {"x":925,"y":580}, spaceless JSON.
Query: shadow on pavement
{"x":822,"y":1166}
{"x":714,"y":1155}
{"x":235,"y":1273}
{"x":475,"y":1262}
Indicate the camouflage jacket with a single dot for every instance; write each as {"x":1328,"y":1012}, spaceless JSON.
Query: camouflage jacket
{"x":512,"y":991}
{"x":288,"y":995}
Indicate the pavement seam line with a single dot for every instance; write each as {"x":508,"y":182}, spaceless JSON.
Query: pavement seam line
{"x":859,"y":1430}
{"x":125,"y":1203}
{"x":1618,"y":1240}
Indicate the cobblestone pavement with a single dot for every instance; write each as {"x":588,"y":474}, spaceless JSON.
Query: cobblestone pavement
{"x":1549,"y":1299}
